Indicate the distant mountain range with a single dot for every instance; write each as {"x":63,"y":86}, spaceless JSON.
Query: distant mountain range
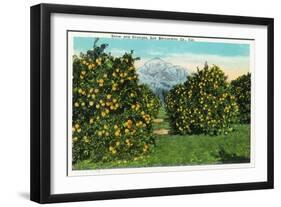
{"x":161,"y":76}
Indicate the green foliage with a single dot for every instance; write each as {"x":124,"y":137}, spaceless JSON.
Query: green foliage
{"x":180,"y":150}
{"x":203,"y":104}
{"x":112,"y":112}
{"x":241,"y":89}
{"x":152,"y":102}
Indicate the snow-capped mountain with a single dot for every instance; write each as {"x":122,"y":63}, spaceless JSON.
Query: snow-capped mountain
{"x":161,"y":76}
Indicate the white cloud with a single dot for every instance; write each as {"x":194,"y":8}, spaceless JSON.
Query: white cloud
{"x":117,"y":52}
{"x":233,"y":66}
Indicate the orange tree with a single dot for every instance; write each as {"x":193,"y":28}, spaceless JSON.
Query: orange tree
{"x":241,"y":89}
{"x":112,"y":112}
{"x":203,"y":104}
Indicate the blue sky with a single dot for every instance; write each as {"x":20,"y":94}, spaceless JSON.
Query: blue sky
{"x":233,"y":57}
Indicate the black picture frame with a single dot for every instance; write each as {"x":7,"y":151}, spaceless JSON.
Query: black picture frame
{"x":41,"y":96}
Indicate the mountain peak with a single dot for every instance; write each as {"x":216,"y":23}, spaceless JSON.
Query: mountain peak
{"x":161,"y":76}
{"x":156,"y":59}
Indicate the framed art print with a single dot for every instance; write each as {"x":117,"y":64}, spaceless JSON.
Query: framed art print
{"x":132,"y":103}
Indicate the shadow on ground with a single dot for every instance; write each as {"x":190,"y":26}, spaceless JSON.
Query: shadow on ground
{"x":226,"y":157}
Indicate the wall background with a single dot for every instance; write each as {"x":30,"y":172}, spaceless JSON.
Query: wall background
{"x":14,"y":102}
